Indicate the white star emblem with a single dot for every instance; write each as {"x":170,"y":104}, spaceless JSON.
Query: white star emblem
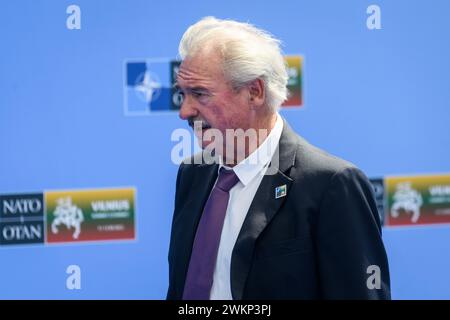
{"x":149,"y":89}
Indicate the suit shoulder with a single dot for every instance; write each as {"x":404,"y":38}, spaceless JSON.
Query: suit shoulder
{"x":191,"y":165}
{"x":197,"y":159}
{"x":191,"y":159}
{"x":317,"y":163}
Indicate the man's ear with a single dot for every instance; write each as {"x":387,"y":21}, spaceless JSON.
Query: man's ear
{"x":257,"y":93}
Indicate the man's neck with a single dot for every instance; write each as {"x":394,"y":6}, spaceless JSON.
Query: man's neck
{"x":262,"y":128}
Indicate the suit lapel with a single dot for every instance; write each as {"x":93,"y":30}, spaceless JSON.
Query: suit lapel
{"x":262,"y":210}
{"x":187,"y":222}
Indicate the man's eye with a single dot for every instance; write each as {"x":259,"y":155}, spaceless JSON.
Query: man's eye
{"x":198,"y":94}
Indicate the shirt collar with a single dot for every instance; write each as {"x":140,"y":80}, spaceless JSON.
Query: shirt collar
{"x":251,"y":166}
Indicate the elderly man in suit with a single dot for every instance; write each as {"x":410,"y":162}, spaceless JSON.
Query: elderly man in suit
{"x":272,"y":217}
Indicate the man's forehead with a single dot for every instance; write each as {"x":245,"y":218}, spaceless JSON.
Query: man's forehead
{"x":198,"y":68}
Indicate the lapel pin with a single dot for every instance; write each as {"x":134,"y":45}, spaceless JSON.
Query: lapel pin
{"x":280,"y":191}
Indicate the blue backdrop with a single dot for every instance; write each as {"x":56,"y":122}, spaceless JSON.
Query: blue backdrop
{"x":378,"y":98}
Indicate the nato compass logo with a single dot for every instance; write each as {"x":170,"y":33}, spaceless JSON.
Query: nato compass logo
{"x":148,"y":86}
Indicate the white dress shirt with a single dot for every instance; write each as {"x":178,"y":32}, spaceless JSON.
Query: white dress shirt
{"x":250,"y":172}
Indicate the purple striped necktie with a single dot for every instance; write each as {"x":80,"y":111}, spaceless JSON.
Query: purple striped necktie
{"x":200,"y":273}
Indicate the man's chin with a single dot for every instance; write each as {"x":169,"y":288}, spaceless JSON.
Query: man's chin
{"x":200,"y":135}
{"x":204,"y":144}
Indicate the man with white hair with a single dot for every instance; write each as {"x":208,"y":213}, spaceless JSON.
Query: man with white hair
{"x":274,"y":217}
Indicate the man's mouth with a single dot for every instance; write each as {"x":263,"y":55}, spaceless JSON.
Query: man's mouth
{"x":198,"y":124}
{"x":202,"y":127}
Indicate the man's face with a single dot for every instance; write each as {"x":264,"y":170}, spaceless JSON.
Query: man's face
{"x":209,"y":97}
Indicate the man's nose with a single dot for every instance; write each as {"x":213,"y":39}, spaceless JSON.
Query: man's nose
{"x":187,"y":108}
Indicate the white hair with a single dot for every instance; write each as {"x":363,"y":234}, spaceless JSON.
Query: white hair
{"x":248,"y":54}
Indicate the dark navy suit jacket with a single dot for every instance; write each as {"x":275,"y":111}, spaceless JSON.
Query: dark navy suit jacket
{"x":320,"y":241}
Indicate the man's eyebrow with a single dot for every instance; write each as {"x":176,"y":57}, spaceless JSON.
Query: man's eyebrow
{"x":199,"y":89}
{"x":176,"y":86}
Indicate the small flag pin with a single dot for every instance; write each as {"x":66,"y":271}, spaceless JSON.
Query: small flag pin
{"x":280,"y":191}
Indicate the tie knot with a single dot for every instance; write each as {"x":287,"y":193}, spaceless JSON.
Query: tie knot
{"x":227,"y":179}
